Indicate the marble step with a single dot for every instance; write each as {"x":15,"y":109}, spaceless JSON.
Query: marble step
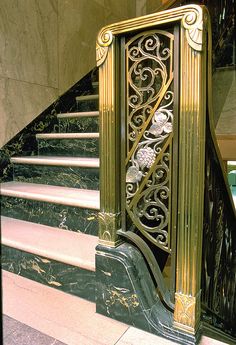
{"x":75,"y":172}
{"x":87,"y":98}
{"x":86,"y":121}
{"x":65,"y":208}
{"x":95,"y":84}
{"x":87,"y":103}
{"x":69,"y":144}
{"x":37,"y":252}
{"x":78,"y":114}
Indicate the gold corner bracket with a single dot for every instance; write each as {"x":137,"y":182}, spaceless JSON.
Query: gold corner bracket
{"x":104,"y":39}
{"x":192,"y":22}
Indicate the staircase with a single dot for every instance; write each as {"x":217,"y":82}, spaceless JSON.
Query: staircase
{"x":49,"y":210}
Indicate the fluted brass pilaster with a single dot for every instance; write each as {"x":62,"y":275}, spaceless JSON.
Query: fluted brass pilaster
{"x":191,"y":184}
{"x":109,"y":216}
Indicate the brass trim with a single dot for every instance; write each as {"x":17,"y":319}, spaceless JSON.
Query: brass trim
{"x":187,"y":312}
{"x":191,"y":17}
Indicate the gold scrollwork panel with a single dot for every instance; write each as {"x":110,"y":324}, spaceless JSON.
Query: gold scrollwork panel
{"x":149,"y":66}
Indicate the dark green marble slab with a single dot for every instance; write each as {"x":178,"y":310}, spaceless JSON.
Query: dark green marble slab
{"x":56,"y":215}
{"x":79,"y":124}
{"x":84,"y":178}
{"x":68,"y":278}
{"x":92,"y":105}
{"x":126,"y":292}
{"x":69,"y":147}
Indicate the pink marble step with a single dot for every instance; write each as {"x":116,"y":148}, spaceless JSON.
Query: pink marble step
{"x":67,"y":135}
{"x":87,"y":98}
{"x":58,"y":161}
{"x":78,"y":114}
{"x":85,"y":198}
{"x":69,"y":247}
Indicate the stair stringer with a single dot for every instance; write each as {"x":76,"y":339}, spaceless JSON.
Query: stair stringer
{"x":126,"y":292}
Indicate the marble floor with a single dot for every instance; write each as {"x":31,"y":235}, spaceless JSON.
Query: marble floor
{"x":34,"y":314}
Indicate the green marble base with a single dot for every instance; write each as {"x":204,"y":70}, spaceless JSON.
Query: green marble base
{"x":79,"y":125}
{"x":69,"y":147}
{"x":61,"y":216}
{"x":84,"y":178}
{"x":125,"y":292}
{"x":70,"y":279}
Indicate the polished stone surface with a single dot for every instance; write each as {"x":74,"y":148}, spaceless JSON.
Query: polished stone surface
{"x":17,"y":333}
{"x":79,"y":124}
{"x":28,"y":62}
{"x":76,"y":177}
{"x":71,"y":319}
{"x":29,"y":41}
{"x":60,"y":216}
{"x":47,"y":46}
{"x":69,"y":147}
{"x":227,"y":121}
{"x":125,"y":291}
{"x":24,"y":143}
{"x":79,"y":24}
{"x":17,"y":114}
{"x":70,"y":279}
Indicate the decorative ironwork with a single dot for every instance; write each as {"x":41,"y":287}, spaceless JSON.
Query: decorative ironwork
{"x":219,"y":249}
{"x":149,"y":134}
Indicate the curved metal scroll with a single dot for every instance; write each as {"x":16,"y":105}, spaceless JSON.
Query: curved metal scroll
{"x":149,"y":134}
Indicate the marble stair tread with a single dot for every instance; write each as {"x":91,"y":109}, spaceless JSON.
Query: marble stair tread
{"x":71,"y":248}
{"x":85,"y":162}
{"x":78,"y":114}
{"x":87,"y":98}
{"x":67,"y":135}
{"x":85,"y":198}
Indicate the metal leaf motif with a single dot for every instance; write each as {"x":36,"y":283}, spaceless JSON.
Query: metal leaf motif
{"x":133,"y":175}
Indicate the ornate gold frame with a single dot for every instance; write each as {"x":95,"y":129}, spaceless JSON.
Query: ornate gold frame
{"x":192,"y":21}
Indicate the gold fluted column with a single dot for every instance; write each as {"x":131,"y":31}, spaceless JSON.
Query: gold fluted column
{"x":192,"y":121}
{"x":108,"y":62}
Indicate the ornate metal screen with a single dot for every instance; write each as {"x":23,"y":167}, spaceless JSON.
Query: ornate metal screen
{"x":149,"y":133}
{"x":158,"y":175}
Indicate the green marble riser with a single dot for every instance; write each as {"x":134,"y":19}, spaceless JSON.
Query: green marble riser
{"x":69,"y":147}
{"x":79,"y":125}
{"x":56,"y":215}
{"x":67,"y":278}
{"x":92,"y":105}
{"x":84,"y":178}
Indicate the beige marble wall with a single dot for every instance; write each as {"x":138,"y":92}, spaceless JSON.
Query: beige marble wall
{"x":45,"y":47}
{"x":28,"y":62}
{"x":79,"y":23}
